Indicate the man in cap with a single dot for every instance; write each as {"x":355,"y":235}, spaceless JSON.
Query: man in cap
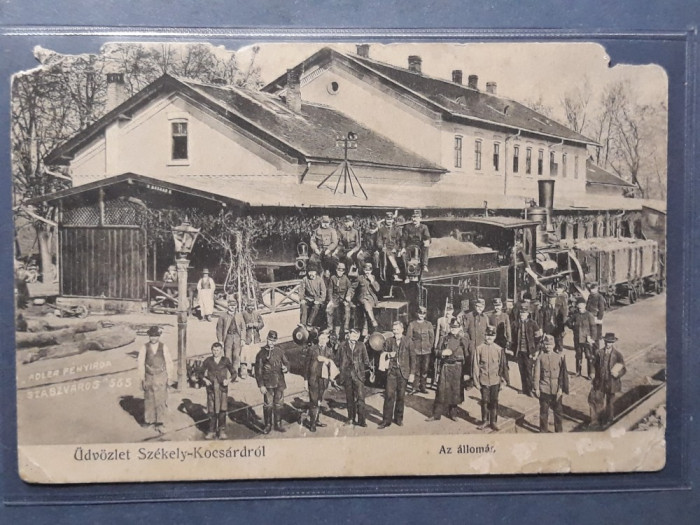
{"x":270,"y":366}
{"x":339,"y":297}
{"x":562,"y":305}
{"x":366,"y":288}
{"x":501,"y":323}
{"x":463,"y":314}
{"x":389,"y":243}
{"x":253,"y":325}
{"x":397,"y":350}
{"x":553,"y":321}
{"x":525,"y":303}
{"x":551,"y":382}
{"x":416,"y":234}
{"x":205,"y":295}
{"x":596,"y":305}
{"x":422,"y":336}
{"x":477,"y":321}
{"x":442,"y":326}
{"x":450,"y":360}
{"x":524,"y":343}
{"x":583,"y":324}
{"x":369,"y":251}
{"x":324,"y":240}
{"x":320,"y":372}
{"x":349,"y":242}
{"x":313,"y":291}
{"x":489,"y":369}
{"x":609,"y":369}
{"x":230,"y":329}
{"x":353,"y":363}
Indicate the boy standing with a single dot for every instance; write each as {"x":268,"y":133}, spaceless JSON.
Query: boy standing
{"x":217,"y":373}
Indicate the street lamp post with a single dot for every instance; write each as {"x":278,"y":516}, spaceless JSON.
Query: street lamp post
{"x":184,"y":236}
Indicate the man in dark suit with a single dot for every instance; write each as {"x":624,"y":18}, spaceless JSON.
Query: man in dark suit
{"x":397,"y":353}
{"x":596,"y":305}
{"x":584,"y":325}
{"x":353,"y":362}
{"x":609,"y":368}
{"x":270,"y":366}
{"x":525,"y":348}
{"x":553,"y":321}
{"x":230,"y":329}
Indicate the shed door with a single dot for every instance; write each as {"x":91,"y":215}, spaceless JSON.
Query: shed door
{"x":107,"y":262}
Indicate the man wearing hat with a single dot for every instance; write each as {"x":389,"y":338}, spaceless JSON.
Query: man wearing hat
{"x":596,"y":305}
{"x":562,"y":306}
{"x":397,"y":352}
{"x":366,"y":288}
{"x":155,"y":369}
{"x":501,"y":323}
{"x":416,"y":234}
{"x":369,"y":252}
{"x":324,"y":240}
{"x":253,"y":325}
{"x":422,"y":336}
{"x":464,"y":311}
{"x":270,"y":366}
{"x":553,"y":321}
{"x":320,"y":371}
{"x":450,"y":359}
{"x":524,"y":344}
{"x":489,"y":368}
{"x":477,"y":321}
{"x":339,"y":297}
{"x":609,"y":368}
{"x":230,"y":329}
{"x":353,"y":363}
{"x":389,"y":243}
{"x":205,"y":295}
{"x":442,"y":327}
{"x":584,"y":327}
{"x":348,"y":242}
{"x":551,"y":382}
{"x":313,"y":291}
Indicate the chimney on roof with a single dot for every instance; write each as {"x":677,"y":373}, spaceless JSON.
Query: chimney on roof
{"x":457,"y":76}
{"x":116,"y":90}
{"x":293,"y":90}
{"x":473,"y":81}
{"x":414,"y":63}
{"x":491,"y":87}
{"x":363,"y":50}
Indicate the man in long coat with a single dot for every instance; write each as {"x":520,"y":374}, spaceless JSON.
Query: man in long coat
{"x":525,"y":348}
{"x":230,"y":330}
{"x":353,"y":364}
{"x":320,"y":371}
{"x":609,"y":368}
{"x":583,"y":324}
{"x":450,"y":359}
{"x":397,"y":351}
{"x":270,"y":366}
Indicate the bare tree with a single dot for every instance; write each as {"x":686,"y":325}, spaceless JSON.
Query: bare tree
{"x":576,"y":105}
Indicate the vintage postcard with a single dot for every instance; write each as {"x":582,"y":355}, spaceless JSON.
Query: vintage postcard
{"x":298,"y":260}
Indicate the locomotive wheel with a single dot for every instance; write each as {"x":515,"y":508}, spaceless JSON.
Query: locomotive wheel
{"x":81,"y":311}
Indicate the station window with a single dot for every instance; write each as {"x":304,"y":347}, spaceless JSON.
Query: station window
{"x":528,"y":161}
{"x":516,"y":158}
{"x":563,"y":165}
{"x":179,"y":139}
{"x":477,"y":155}
{"x":540,"y":162}
{"x":458,"y":151}
{"x":553,"y":166}
{"x":576,"y":167}
{"x":496,"y":156}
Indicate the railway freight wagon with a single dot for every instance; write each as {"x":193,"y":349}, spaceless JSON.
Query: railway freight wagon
{"x":622,"y":267}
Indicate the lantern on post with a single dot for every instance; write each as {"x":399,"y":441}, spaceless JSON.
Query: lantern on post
{"x":184,"y":236}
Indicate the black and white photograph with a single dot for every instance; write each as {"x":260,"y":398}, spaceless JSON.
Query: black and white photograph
{"x":307,"y":260}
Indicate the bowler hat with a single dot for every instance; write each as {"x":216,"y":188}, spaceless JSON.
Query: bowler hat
{"x":417,"y":213}
{"x":490,"y":330}
{"x":609,"y":337}
{"x":154,"y":331}
{"x":497,"y":301}
{"x":272,"y":335}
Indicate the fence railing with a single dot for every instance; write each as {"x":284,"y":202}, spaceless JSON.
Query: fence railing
{"x":280,"y":296}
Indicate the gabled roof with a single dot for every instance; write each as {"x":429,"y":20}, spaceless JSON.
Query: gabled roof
{"x":597,"y":175}
{"x":454,"y":101}
{"x":306,"y":136}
